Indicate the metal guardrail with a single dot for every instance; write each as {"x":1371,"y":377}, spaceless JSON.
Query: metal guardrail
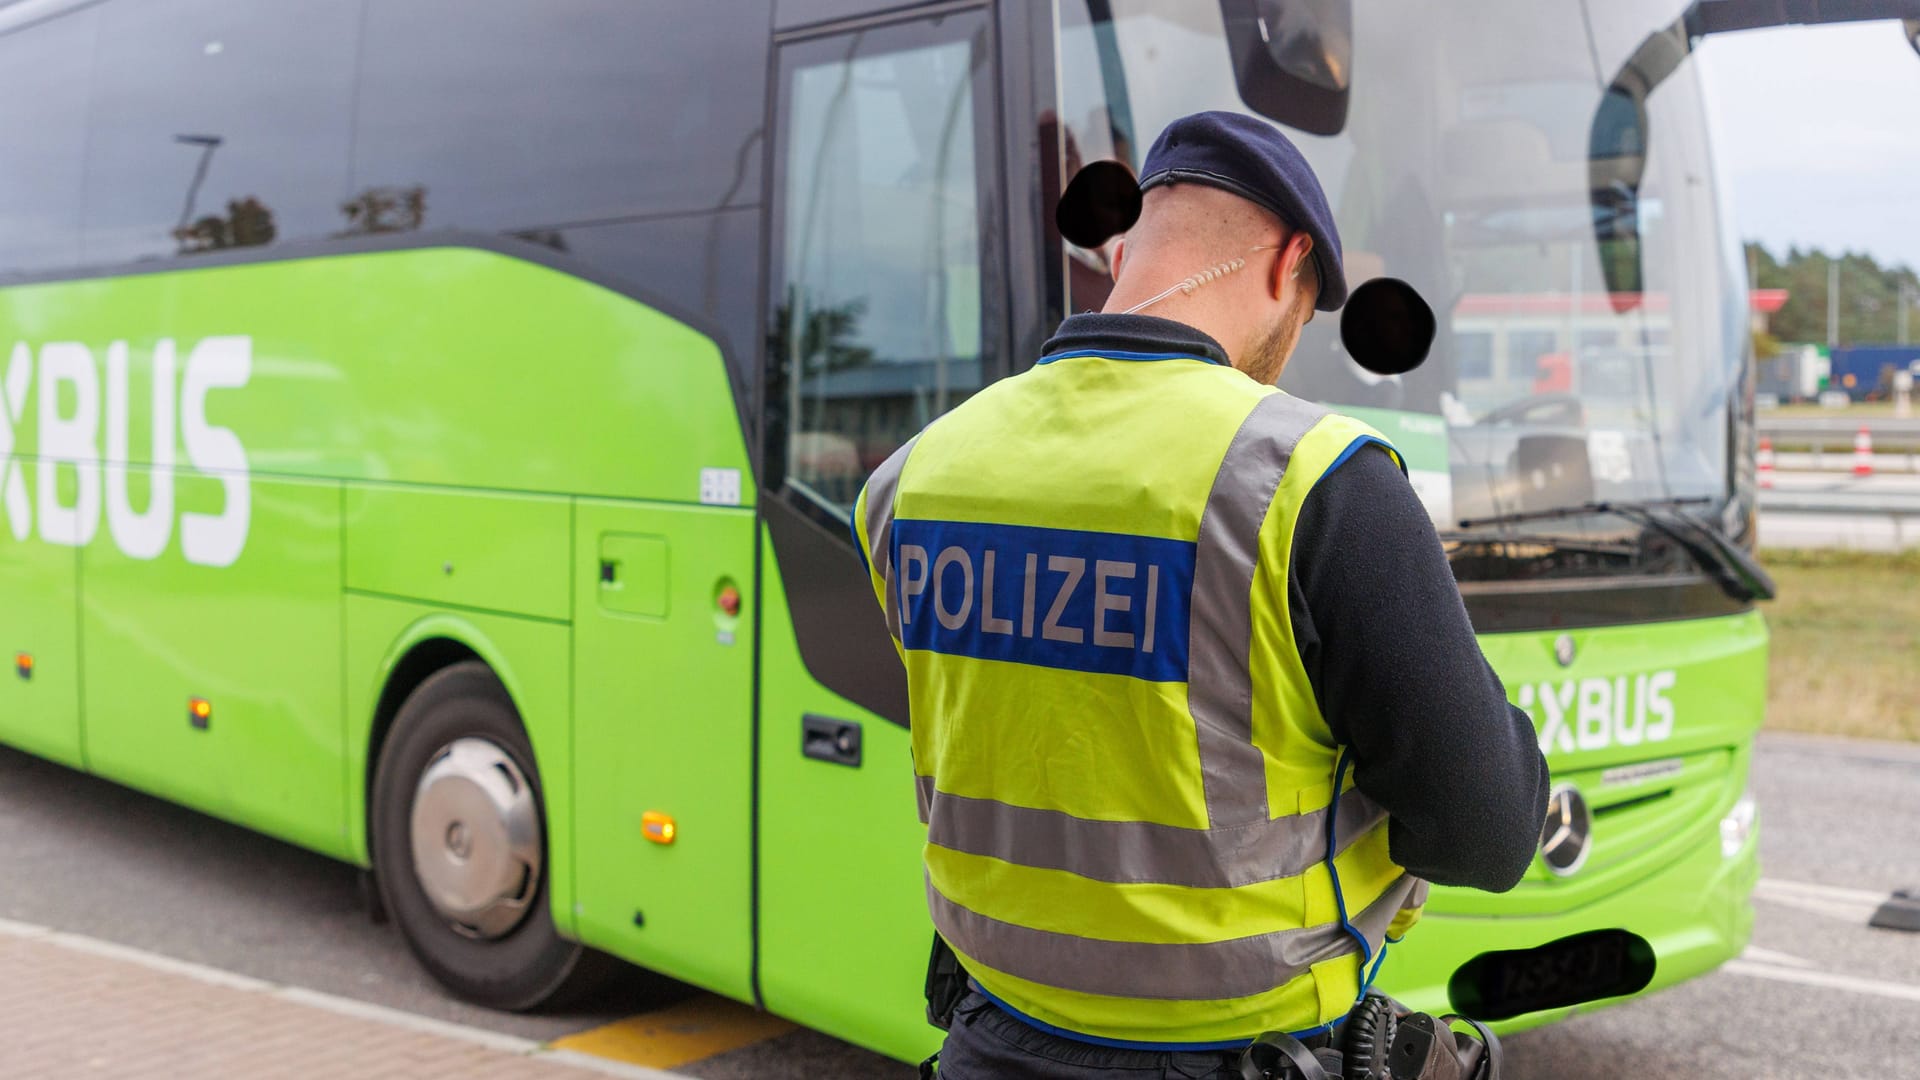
{"x":1900,"y":509}
{"x":1903,"y":503}
{"x":1837,"y":432}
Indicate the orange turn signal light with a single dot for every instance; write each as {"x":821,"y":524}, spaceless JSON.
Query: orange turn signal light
{"x":23,"y":663}
{"x":658,"y":827}
{"x":729,"y":601}
{"x":199,"y":712}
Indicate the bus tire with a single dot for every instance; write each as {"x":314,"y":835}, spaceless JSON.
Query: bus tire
{"x":456,"y":784}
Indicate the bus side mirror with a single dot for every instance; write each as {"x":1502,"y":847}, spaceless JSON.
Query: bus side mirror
{"x":1616,"y":163}
{"x":1293,"y":59}
{"x":1617,"y":159}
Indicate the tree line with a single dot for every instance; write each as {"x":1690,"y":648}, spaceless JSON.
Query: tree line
{"x":1870,"y":295}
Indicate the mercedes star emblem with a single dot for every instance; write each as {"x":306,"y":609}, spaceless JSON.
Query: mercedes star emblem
{"x":1567,"y":837}
{"x":1563,"y":650}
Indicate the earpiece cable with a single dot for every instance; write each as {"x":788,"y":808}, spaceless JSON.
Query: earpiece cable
{"x":1186,"y":285}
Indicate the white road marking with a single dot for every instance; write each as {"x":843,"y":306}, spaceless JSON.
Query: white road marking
{"x":1825,"y":980}
{"x":1852,"y":905}
{"x":1833,"y":901}
{"x":1847,"y":913}
{"x":1826,"y":892}
{"x":333,"y":1003}
{"x":1768,"y":956}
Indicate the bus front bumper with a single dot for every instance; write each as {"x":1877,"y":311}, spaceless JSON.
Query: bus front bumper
{"x":1696,"y":912}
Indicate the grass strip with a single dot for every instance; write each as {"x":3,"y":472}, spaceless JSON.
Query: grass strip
{"x":1846,"y":643}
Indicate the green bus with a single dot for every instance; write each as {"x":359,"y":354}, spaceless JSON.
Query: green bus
{"x":428,"y":427}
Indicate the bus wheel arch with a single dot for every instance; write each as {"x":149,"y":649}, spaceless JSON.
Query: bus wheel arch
{"x":421,"y":661}
{"x":449,"y":753}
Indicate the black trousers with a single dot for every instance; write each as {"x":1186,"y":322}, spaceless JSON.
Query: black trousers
{"x":987,"y":1044}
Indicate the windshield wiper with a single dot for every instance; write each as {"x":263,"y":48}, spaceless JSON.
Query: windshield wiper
{"x":1604,"y":506}
{"x":1733,"y":569}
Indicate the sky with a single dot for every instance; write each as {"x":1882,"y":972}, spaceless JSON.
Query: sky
{"x":1817,"y":136}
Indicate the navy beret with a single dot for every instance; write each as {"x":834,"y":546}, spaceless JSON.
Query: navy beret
{"x":1252,"y":159}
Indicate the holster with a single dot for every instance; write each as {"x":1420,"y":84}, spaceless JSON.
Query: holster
{"x":946,"y":984}
{"x":1426,"y":1049}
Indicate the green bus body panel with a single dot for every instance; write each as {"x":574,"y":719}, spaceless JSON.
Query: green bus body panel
{"x":663,"y":720}
{"x":475,"y":549}
{"x":529,"y":656}
{"x":1695,"y":910}
{"x":451,"y":366}
{"x":635,"y":574}
{"x":258,"y":639}
{"x":1696,"y":913}
{"x":377,"y":385}
{"x":1656,"y":866}
{"x":39,"y":606}
{"x":39,"y":614}
{"x":844,"y":930}
{"x":1717,"y":698}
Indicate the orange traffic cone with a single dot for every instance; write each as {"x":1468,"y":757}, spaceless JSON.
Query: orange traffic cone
{"x":1863,"y":452}
{"x":1766,"y":463}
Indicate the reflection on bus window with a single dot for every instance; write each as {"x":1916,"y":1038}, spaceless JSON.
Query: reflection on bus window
{"x":544,"y":116}
{"x":878,"y":323}
{"x":1465,"y":168}
{"x":40,"y":207}
{"x":186,"y":156}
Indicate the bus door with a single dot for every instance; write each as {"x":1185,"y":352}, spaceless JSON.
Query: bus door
{"x":886,"y":282}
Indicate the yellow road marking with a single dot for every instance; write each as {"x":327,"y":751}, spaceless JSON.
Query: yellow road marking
{"x":690,"y":1031}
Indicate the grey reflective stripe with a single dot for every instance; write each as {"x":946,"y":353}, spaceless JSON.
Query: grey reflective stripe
{"x":881,"y":488}
{"x":1139,"y":852}
{"x":1417,"y":896}
{"x":924,"y":796}
{"x":1374,"y":921}
{"x":1219,"y":684}
{"x":1238,"y":967}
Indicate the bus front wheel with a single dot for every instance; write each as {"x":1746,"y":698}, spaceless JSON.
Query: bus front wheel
{"x":459,"y":846}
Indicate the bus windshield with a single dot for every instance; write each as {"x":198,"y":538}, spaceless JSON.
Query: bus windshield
{"x":1462,"y":164}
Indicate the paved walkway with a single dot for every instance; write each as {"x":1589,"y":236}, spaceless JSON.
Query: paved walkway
{"x":73,"y":1006}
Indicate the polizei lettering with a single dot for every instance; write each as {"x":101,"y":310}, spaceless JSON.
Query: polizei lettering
{"x":83,"y":430}
{"x":1062,"y":598}
{"x":1595,"y":713}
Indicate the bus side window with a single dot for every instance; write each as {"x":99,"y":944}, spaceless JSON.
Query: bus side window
{"x":879,"y":317}
{"x":43,"y":120}
{"x":216,"y":125}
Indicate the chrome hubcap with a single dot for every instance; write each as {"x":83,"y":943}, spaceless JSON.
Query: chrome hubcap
{"x":476,"y":838}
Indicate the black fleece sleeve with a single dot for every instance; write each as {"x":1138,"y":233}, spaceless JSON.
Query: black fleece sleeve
{"x":1402,"y":681}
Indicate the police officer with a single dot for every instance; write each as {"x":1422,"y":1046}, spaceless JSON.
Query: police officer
{"x":1196,"y":707}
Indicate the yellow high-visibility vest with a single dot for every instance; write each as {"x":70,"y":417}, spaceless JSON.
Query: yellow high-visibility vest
{"x":1130,"y":792}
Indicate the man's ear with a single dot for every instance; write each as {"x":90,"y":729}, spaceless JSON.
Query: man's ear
{"x":1292,"y":261}
{"x":1300,"y":248}
{"x":1119,"y":252}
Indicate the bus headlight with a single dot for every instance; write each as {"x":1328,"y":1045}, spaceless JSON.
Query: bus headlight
{"x":1737,"y":826}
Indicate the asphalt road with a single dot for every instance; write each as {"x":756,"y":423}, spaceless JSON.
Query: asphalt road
{"x":1819,"y":995}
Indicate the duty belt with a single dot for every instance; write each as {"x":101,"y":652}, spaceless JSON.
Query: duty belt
{"x":1380,"y":1040}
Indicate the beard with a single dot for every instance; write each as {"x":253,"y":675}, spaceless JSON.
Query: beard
{"x":1268,"y":356}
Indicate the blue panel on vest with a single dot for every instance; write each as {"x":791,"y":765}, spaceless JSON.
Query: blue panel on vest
{"x":1060,"y":598}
